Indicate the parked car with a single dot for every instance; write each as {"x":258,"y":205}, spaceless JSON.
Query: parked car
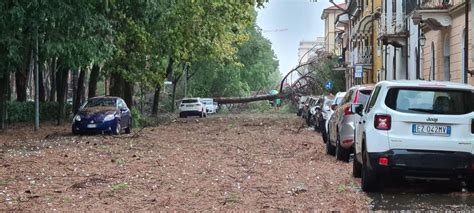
{"x":211,"y":108}
{"x":301,"y":103}
{"x":341,"y":126}
{"x":306,"y":106}
{"x":322,"y":110}
{"x":192,"y":107}
{"x":310,"y":110}
{"x":417,"y":129}
{"x":337,"y":101}
{"x":101,"y":115}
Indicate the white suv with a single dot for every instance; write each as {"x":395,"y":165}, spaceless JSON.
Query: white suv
{"x":415,"y":129}
{"x":192,"y":107}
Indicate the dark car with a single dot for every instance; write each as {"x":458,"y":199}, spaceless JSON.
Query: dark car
{"x":323,"y":108}
{"x":103,"y":115}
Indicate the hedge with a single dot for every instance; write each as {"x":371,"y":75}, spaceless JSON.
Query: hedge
{"x":25,"y":111}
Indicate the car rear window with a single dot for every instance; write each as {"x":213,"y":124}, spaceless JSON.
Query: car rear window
{"x":187,"y":101}
{"x":430,"y":101}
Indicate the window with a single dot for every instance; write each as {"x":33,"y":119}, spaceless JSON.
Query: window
{"x":372,"y":99}
{"x":187,"y":101}
{"x":431,"y":101}
{"x":121,"y":104}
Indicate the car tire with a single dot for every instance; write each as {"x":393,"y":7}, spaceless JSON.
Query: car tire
{"x":330,"y":150}
{"x":470,"y":184}
{"x":324,"y":135}
{"x":369,"y":181}
{"x":118,"y":128}
{"x":356,"y":168}
{"x":341,"y":153}
{"x":182,"y":115}
{"x":128,"y":130}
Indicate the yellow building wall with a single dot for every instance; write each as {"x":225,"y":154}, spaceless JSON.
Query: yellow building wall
{"x":454,"y":34}
{"x":377,"y":56}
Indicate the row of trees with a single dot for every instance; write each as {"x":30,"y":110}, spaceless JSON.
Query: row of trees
{"x":133,"y":44}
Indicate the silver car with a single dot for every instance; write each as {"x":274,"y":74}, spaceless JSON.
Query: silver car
{"x":341,"y":126}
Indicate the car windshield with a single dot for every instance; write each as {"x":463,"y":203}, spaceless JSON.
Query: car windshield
{"x":96,"y":102}
{"x":431,"y":101}
{"x":187,"y":101}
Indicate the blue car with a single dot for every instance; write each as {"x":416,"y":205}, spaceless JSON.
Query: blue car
{"x":103,"y":115}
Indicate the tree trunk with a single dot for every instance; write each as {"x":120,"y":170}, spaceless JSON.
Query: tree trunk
{"x":234,"y":100}
{"x":80,"y":88}
{"x":93,"y":81}
{"x":128,"y":93}
{"x":116,"y":85}
{"x":74,"y":86}
{"x":4,"y":89}
{"x":156,"y":101}
{"x":173,"y":96}
{"x":21,"y":78}
{"x":62,"y":86}
{"x":42,"y":93}
{"x":52,"y":94}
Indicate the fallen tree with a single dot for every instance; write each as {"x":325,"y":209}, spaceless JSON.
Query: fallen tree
{"x":303,"y":85}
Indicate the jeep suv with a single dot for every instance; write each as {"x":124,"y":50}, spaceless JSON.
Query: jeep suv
{"x":415,"y":129}
{"x":192,"y":107}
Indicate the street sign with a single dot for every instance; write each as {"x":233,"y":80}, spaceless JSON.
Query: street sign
{"x":328,"y":85}
{"x":359,"y":70}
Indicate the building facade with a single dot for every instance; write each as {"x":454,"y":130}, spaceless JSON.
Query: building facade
{"x":330,"y":29}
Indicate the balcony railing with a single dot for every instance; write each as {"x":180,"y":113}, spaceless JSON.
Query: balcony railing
{"x":392,"y":25}
{"x":439,"y":4}
{"x":363,"y":55}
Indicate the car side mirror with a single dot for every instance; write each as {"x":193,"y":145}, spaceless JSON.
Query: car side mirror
{"x":334,"y":107}
{"x":357,"y":109}
{"x":123,"y":109}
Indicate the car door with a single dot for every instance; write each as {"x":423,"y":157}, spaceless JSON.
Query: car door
{"x":124,"y":113}
{"x":367,"y":113}
{"x":338,"y":115}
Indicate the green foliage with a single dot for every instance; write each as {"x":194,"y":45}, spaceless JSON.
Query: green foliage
{"x":137,"y":118}
{"x":323,"y":72}
{"x":261,"y":107}
{"x":254,"y":69}
{"x":25,"y":111}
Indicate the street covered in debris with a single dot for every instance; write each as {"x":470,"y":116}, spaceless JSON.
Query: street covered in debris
{"x":225,"y":162}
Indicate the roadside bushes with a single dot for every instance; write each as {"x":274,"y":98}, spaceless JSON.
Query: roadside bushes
{"x":25,"y":111}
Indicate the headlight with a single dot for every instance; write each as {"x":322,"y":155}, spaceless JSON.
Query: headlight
{"x":109,"y":117}
{"x":77,"y":118}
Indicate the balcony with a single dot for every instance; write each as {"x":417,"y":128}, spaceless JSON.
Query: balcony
{"x":392,"y":29}
{"x":436,"y":13}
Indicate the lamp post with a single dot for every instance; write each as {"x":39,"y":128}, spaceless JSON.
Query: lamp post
{"x":421,"y":44}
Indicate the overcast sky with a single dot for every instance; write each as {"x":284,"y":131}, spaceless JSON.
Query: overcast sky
{"x":287,"y":22}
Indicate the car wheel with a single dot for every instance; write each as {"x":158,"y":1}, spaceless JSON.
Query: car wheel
{"x":324,"y":135}
{"x":128,"y":130}
{"x":308,"y":120}
{"x":329,"y":147}
{"x":182,"y":115}
{"x":369,"y":180}
{"x":470,"y":185}
{"x":356,"y":168}
{"x":118,"y":128}
{"x":341,"y":153}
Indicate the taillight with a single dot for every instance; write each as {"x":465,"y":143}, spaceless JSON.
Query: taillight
{"x":383,"y":161}
{"x":347,"y":110}
{"x":382,"y":122}
{"x":356,"y":98}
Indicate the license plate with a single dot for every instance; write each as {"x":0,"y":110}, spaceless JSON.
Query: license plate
{"x":426,"y":129}
{"x":91,"y":125}
{"x":189,"y":105}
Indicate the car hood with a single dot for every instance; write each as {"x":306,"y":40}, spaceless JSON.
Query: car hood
{"x":97,"y":113}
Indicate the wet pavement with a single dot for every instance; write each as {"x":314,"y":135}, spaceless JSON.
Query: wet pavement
{"x":422,"y":196}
